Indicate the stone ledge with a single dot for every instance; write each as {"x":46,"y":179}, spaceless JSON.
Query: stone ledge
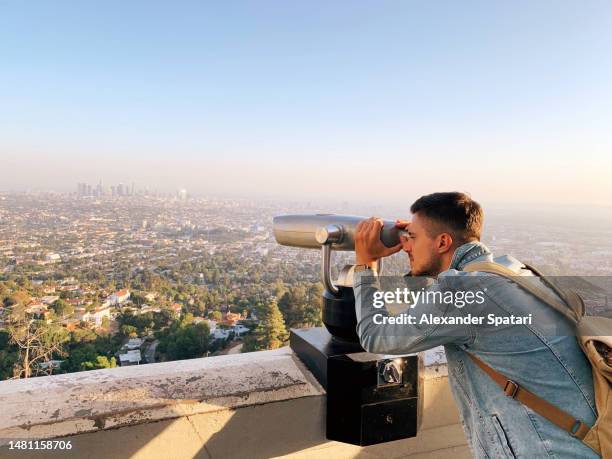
{"x":61,"y":405}
{"x":72,"y":403}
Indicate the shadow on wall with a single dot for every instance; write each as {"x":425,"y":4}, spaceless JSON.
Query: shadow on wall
{"x":259,"y":431}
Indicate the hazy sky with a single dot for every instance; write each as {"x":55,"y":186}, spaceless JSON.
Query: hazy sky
{"x":511,"y":101}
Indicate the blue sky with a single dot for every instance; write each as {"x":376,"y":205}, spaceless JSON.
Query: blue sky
{"x":508,"y":100}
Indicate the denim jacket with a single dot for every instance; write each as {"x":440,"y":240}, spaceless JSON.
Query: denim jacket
{"x":552,"y":367}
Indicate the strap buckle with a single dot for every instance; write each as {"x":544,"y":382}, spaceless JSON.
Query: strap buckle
{"x":579,"y":429}
{"x":511,"y":388}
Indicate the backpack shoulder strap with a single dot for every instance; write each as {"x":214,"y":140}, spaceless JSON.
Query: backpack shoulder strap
{"x":571,"y":297}
{"x":573,"y":312}
{"x":558,"y":417}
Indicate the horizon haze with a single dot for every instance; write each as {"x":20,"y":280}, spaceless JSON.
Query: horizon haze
{"x":373,"y":101}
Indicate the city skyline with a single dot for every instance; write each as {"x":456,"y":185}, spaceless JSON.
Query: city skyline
{"x":572,"y":216}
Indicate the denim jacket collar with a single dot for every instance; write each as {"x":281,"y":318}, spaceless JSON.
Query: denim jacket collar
{"x":467,"y":253}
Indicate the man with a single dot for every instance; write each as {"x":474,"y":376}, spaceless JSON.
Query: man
{"x":443,"y":237}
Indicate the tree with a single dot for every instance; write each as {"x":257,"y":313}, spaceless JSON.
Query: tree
{"x":100,"y":362}
{"x":270,"y":333}
{"x":128,"y":331}
{"x":293,"y":305}
{"x":19,"y":297}
{"x":83,"y":335}
{"x":279,"y":288}
{"x":184,"y":340}
{"x":89,"y":351}
{"x":163,"y":318}
{"x":8,"y":360}
{"x":199,"y":307}
{"x":216,"y":316}
{"x":37,"y":342}
{"x":314,"y":307}
{"x":63,"y":308}
{"x":8,"y":355}
{"x":137,"y":298}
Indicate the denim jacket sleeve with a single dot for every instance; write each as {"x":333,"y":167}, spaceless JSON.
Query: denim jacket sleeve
{"x":385,"y":338}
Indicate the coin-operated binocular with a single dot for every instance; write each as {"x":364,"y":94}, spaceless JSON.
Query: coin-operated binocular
{"x":332,"y":232}
{"x":371,"y":398}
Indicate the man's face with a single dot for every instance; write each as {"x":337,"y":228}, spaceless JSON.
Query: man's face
{"x":422,"y":249}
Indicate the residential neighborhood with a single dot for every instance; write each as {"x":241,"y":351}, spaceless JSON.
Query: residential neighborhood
{"x":125,"y":276}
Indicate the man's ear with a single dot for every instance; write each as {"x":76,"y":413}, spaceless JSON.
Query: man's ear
{"x":445,"y":242}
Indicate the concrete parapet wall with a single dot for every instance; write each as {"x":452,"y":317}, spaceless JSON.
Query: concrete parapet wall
{"x":257,"y":405}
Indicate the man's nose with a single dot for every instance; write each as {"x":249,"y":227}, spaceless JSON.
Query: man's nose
{"x":406,"y":245}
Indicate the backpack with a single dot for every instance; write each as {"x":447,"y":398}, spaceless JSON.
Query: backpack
{"x":594,"y":335}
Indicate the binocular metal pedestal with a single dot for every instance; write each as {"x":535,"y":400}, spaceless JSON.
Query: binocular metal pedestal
{"x":371,"y":398}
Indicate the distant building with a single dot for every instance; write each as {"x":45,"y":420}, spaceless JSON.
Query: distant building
{"x":71,"y":324}
{"x":49,"y":299}
{"x":36,"y":307}
{"x":119,"y":297}
{"x":133,"y":343}
{"x":240,"y":330}
{"x":132,"y":357}
{"x":76,"y":302}
{"x":97,"y":315}
{"x":147,"y":308}
{"x":177,"y":308}
{"x":150,"y":296}
{"x":79,"y":313}
{"x":52,"y":258}
{"x":230,"y":318}
{"x":53,"y":364}
{"x":221,"y":333}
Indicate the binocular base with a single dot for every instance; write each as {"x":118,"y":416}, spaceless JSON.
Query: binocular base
{"x":339,"y":314}
{"x":371,"y":398}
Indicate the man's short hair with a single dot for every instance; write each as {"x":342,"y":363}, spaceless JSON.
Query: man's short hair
{"x":453,"y":212}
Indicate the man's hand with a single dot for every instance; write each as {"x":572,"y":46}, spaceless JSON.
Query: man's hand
{"x":368,"y":246}
{"x":403,"y":225}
